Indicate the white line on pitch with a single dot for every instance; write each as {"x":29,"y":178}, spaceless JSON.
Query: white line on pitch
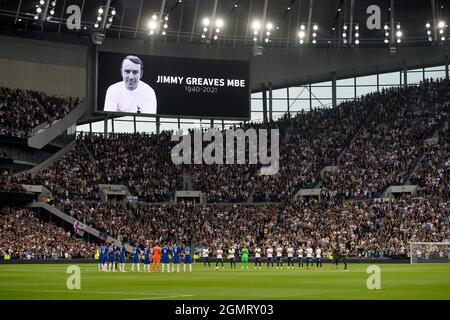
{"x":162,"y":297}
{"x":82,"y":291}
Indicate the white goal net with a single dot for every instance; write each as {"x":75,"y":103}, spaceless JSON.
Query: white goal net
{"x":430,"y":252}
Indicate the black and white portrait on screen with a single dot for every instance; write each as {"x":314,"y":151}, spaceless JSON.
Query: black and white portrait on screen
{"x":131,"y":95}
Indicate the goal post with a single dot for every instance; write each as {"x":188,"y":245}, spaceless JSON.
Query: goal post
{"x":429,"y":252}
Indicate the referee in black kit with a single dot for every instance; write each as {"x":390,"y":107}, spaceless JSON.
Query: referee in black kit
{"x":338,"y":255}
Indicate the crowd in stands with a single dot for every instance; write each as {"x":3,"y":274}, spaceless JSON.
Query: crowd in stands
{"x":308,"y":142}
{"x":22,"y":110}
{"x":10,"y":184}
{"x":311,"y":141}
{"x":391,"y":141}
{"x":378,"y":140}
{"x":433,"y":172}
{"x":368,"y":228}
{"x":24,"y":236}
{"x":141,"y":161}
{"x":73,"y":176}
{"x":374,"y":142}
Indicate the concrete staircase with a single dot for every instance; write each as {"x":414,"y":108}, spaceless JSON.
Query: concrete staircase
{"x":188,"y":184}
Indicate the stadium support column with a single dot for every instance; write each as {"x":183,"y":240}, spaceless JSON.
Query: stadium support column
{"x":264,"y":95}
{"x":308,"y":33}
{"x":105,"y":128}
{"x":333,"y":91}
{"x":378,"y":81}
{"x":194,"y":22}
{"x":17,"y":11}
{"x":134,"y":123}
{"x":44,"y":15}
{"x":261,"y":35}
{"x":405,"y":76}
{"x":212,"y":123}
{"x":446,"y":68}
{"x":392,"y":23}
{"x":270,"y":102}
{"x":434,"y":10}
{"x":161,"y":12}
{"x":310,"y":97}
{"x":158,"y":125}
{"x":287,"y":100}
{"x":213,"y":17}
{"x":105,"y":17}
{"x":352,"y":9}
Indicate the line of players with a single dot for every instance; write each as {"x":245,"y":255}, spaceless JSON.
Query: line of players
{"x":110,"y":254}
{"x":303,"y":256}
{"x":155,"y":257}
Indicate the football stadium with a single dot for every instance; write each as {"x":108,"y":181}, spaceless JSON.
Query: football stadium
{"x":224,"y":150}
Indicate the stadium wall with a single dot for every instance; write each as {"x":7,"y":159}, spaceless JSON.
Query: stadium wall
{"x":54,"y":68}
{"x":299,"y":66}
{"x":67,"y":65}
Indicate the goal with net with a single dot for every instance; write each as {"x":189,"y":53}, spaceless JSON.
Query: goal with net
{"x":430,"y":252}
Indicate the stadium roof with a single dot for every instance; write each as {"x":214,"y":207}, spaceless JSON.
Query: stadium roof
{"x":186,"y":16}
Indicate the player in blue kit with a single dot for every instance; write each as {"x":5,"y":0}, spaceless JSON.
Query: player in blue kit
{"x":102,"y":258}
{"x":165,"y":258}
{"x":147,"y":259}
{"x":122,"y":252}
{"x":176,"y":250}
{"x":112,"y":257}
{"x":105,"y":257}
{"x":136,"y":258}
{"x":187,"y":259}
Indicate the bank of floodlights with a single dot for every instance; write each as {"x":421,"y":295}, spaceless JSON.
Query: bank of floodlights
{"x":356,"y":29}
{"x":41,"y":7}
{"x":216,"y":25}
{"x":386,"y":33}
{"x":155,"y":25}
{"x":258,"y":29}
{"x":346,"y":34}
{"x":302,"y":33}
{"x":398,"y":33}
{"x":269,"y":28}
{"x":103,"y":16}
{"x":441,"y":29}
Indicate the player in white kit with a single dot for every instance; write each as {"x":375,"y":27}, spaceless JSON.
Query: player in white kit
{"x":318,"y":257}
{"x":219,"y":258}
{"x":232,"y":255}
{"x":257,"y":257}
{"x":280,"y":257}
{"x":205,"y":256}
{"x":290,"y":259}
{"x":269,"y":253}
{"x":300,"y":256}
{"x":309,"y":257}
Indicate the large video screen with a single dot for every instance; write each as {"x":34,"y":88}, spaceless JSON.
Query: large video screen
{"x":168,"y":86}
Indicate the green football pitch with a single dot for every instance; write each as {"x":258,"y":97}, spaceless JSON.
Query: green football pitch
{"x":398,"y":281}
